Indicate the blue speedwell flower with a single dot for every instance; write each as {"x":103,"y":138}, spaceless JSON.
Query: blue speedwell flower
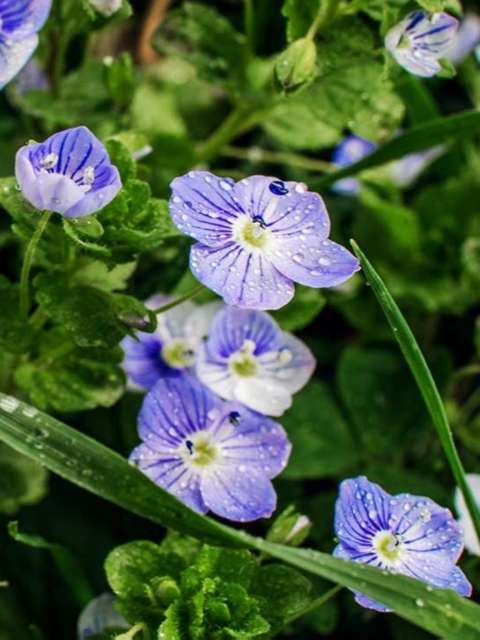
{"x":211,"y":455}
{"x":419,"y":41}
{"x":172,"y":349}
{"x":256,"y":237}
{"x":403,"y":534}
{"x":467,"y":39}
{"x":248,"y":358}
{"x":70,"y":173}
{"x":20,"y":22}
{"x":350,"y":150}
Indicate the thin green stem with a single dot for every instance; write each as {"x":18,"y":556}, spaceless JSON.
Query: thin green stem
{"x":129,"y":635}
{"x":249,"y":20}
{"x":180,"y":300}
{"x":325,"y":14}
{"x":316,"y":604}
{"x":257,"y":155}
{"x":28,"y":261}
{"x":423,"y":376}
{"x":227,"y":131}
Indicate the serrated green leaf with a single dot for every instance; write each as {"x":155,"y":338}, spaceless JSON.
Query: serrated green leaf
{"x":64,"y":378}
{"x":87,"y":463}
{"x":322,"y":444}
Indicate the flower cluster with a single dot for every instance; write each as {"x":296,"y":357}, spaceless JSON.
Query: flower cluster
{"x":20,"y":22}
{"x":406,"y":534}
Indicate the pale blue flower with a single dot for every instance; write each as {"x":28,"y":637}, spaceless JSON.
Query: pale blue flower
{"x":420,"y":40}
{"x":172,"y":349}
{"x":256,"y":237}
{"x":213,"y":456}
{"x":20,"y":22}
{"x":466,"y":40}
{"x":406,"y":534}
{"x":100,"y":616}
{"x":70,"y":173}
{"x":248,"y":358}
{"x":350,"y":150}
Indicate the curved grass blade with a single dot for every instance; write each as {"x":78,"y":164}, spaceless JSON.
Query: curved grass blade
{"x":423,"y":376}
{"x":418,"y":138}
{"x":90,"y":465}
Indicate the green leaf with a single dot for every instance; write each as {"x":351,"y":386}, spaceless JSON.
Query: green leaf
{"x":284,"y":591}
{"x":122,"y":158}
{"x":299,"y":14}
{"x":424,"y":379}
{"x":91,"y":316}
{"x":350,"y":91}
{"x":302,"y":310}
{"x":23,"y":481}
{"x":90,"y":465}
{"x":65,"y":378}
{"x":380,"y":397}
{"x":424,"y":136}
{"x":321,"y":443}
{"x":66,"y":562}
{"x":16,"y":335}
{"x":120,"y":79}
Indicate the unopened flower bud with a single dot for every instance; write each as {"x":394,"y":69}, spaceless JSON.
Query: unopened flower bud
{"x":290,"y":528}
{"x":297,"y":64}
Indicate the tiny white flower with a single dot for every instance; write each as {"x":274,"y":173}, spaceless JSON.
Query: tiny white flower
{"x":106,"y":7}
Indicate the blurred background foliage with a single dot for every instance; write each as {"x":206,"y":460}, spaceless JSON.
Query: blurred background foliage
{"x":206,"y":93}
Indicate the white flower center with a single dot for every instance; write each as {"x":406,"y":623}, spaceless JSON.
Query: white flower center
{"x":178,"y":353}
{"x":199,"y":450}
{"x":49,"y":161}
{"x":89,"y":176}
{"x":389,"y":548}
{"x":243,"y":362}
{"x":251,"y":233}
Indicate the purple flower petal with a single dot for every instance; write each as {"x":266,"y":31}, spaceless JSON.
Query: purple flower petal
{"x":203,"y":206}
{"x":14,"y":55}
{"x":252,"y":440}
{"x":241,"y":278}
{"x":232,"y":327}
{"x":239,"y":496}
{"x":170,"y":472}
{"x":312,"y":261}
{"x":20,"y":19}
{"x":285,"y":208}
{"x":295,"y":366}
{"x":175,"y":409}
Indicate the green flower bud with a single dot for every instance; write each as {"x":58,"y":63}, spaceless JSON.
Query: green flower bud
{"x":290,"y":528}
{"x":296,"y":65}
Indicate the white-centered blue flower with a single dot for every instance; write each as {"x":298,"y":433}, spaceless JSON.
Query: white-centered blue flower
{"x":256,"y":237}
{"x":20,"y":22}
{"x":172,"y":349}
{"x":248,"y":358}
{"x":212,"y":455}
{"x":406,"y":534}
{"x":472,"y":542}
{"x":420,"y":40}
